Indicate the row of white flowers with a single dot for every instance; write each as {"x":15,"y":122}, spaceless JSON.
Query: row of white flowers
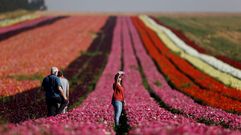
{"x":199,"y":63}
{"x":207,"y":58}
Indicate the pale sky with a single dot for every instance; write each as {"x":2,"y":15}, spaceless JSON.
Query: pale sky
{"x":145,"y":5}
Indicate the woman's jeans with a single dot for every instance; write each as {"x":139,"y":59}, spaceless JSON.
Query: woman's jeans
{"x":118,"y":109}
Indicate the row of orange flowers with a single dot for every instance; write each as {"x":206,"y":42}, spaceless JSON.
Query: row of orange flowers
{"x":183,"y":83}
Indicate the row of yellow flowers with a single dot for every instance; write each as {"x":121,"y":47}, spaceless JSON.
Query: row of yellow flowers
{"x":225,"y":78}
{"x":12,"y":21}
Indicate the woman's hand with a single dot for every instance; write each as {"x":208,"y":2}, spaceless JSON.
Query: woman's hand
{"x":124,"y":103}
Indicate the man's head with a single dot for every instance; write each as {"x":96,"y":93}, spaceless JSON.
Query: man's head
{"x":54,"y":71}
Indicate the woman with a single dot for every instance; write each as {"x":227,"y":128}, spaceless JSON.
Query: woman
{"x":65,"y":86}
{"x":118,"y":96}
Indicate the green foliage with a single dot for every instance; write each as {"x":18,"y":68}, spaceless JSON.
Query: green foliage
{"x":158,"y":83}
{"x":144,"y":79}
{"x":13,"y":14}
{"x":186,"y":85}
{"x":91,"y":54}
{"x":4,"y":99}
{"x":78,"y":102}
{"x":213,"y":33}
{"x":225,"y":47}
{"x":176,"y":53}
{"x":23,"y":77}
{"x":74,"y":80}
{"x":206,"y":121}
{"x":198,"y":31}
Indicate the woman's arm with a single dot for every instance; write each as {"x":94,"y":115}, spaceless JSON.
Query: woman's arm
{"x":67,"y":91}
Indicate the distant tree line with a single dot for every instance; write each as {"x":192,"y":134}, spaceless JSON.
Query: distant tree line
{"x":11,"y":5}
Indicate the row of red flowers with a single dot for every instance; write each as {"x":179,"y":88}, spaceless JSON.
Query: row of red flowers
{"x":144,"y":115}
{"x":179,"y":80}
{"x":93,"y":116}
{"x":31,"y":53}
{"x":203,"y":80}
{"x":79,"y":72}
{"x":175,"y":100}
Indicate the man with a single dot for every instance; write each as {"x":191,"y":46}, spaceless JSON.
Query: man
{"x":54,"y":93}
{"x":65,"y":86}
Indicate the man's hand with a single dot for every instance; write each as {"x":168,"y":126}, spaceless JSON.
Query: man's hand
{"x":65,"y":98}
{"x":62,"y":93}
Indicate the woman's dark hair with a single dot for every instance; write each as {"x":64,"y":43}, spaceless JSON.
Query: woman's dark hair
{"x":116,"y":78}
{"x":60,"y":73}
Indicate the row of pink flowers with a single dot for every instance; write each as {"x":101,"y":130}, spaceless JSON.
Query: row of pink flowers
{"x":95,"y":114}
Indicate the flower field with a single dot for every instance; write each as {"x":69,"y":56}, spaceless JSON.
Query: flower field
{"x":197,"y":46}
{"x":25,"y":62}
{"x":21,"y":77}
{"x":171,"y":87}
